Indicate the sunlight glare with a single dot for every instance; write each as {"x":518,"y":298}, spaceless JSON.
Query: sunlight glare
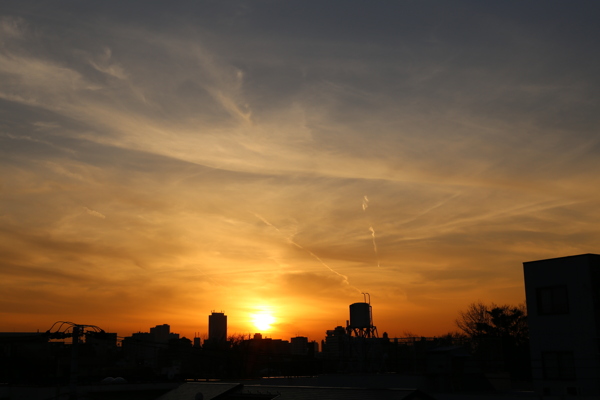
{"x":263,"y":321}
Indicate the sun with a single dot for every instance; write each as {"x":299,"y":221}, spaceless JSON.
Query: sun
{"x":262,"y":321}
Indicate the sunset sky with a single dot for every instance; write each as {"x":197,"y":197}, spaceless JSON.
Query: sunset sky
{"x":162,"y":160}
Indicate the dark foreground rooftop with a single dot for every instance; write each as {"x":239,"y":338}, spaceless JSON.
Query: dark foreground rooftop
{"x":233,"y":391}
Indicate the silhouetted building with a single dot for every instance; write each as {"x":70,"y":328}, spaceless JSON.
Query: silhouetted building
{"x":26,"y":357}
{"x":217,"y":332}
{"x":563,"y":304}
{"x":102,"y":343}
{"x":453,"y":369}
{"x":269,"y":345}
{"x":217,"y":327}
{"x":299,"y":345}
{"x":146,"y":348}
{"x":160,"y":333}
{"x":139,"y":349}
{"x":336,"y":343}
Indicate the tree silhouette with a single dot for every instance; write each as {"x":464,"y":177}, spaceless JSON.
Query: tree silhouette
{"x":481,"y":320}
{"x":501,"y":327}
{"x":475,"y":317}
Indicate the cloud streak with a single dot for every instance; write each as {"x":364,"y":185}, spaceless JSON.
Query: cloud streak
{"x":291,"y":241}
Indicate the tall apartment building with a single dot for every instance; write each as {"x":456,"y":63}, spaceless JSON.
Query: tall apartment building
{"x":217,"y":327}
{"x":563,"y":306}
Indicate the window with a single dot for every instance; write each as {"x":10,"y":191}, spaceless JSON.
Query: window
{"x":558,"y":365}
{"x":553,"y":300}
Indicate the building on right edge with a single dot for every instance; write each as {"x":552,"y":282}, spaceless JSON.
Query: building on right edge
{"x":563,"y":307}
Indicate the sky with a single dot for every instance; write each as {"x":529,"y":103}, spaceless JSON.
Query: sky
{"x":275,"y":160}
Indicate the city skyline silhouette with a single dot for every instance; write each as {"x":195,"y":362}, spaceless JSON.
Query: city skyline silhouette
{"x":543,"y":348}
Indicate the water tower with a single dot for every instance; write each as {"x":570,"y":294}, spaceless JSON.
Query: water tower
{"x":361,"y":319}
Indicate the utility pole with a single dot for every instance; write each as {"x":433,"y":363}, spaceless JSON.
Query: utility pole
{"x":74,"y":361}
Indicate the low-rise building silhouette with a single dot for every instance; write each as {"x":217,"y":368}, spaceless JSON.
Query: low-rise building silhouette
{"x":299,"y":345}
{"x":162,"y":334}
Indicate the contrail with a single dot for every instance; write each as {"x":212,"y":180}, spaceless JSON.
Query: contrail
{"x":365,"y":205}
{"x":375,"y":246}
{"x":344,"y":277}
